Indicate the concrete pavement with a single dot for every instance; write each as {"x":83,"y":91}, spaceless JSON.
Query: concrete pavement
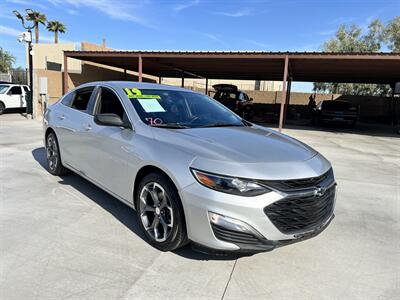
{"x":66,"y":238}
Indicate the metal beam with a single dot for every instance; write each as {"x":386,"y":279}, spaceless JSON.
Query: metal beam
{"x":207,"y":86}
{"x":140,"y":68}
{"x":287,"y":100}
{"x":65,"y":75}
{"x":283,"y":95}
{"x":183,"y":80}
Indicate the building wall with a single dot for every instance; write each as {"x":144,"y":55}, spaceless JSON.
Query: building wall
{"x":79,"y":72}
{"x":43,"y":53}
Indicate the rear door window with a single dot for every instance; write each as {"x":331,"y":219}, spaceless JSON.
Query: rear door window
{"x":81,"y":99}
{"x":68,"y":98}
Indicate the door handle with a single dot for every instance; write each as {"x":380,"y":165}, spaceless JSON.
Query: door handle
{"x":61,"y":117}
{"x":88,"y":127}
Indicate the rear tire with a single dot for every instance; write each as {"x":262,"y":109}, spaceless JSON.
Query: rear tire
{"x":160,"y":212}
{"x":2,"y":108}
{"x":55,"y":166}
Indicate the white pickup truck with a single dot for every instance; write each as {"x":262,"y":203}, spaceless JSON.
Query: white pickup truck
{"x":12,"y":96}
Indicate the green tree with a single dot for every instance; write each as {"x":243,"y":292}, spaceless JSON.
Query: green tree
{"x":392,"y":35}
{"x":350,"y":39}
{"x":373,"y":39}
{"x":6,"y":61}
{"x":56,"y":27}
{"x":37,"y":18}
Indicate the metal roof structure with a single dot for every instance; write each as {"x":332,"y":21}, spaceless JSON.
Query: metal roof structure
{"x":254,"y":65}
{"x":381,"y":68}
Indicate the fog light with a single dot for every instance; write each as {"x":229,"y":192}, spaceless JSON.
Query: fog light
{"x":232,"y":224}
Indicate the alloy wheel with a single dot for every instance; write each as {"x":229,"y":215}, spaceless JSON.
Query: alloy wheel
{"x":52,"y":152}
{"x":156,"y":213}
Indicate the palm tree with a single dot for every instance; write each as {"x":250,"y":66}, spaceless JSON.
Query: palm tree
{"x":37,"y":18}
{"x":56,"y":27}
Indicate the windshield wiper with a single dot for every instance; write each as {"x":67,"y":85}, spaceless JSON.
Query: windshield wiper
{"x":170,"y":125}
{"x":222,"y":125}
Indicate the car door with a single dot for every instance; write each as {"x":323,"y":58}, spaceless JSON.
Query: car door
{"x":72,"y":119}
{"x":109,"y":146}
{"x":14,"y":97}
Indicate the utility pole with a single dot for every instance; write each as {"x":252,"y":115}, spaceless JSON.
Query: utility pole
{"x":28,"y":40}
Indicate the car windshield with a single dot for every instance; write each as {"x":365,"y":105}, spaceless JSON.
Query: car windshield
{"x":3,"y":88}
{"x":180,"y":109}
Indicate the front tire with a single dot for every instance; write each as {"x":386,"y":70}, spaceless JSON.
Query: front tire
{"x":2,"y":108}
{"x":160,"y":212}
{"x":53,"y":156}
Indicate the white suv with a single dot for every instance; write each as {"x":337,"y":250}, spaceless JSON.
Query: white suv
{"x":12,"y":96}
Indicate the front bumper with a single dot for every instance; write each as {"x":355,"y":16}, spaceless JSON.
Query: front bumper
{"x":265,"y":234}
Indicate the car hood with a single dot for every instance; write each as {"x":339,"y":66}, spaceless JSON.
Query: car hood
{"x":249,"y":152}
{"x":239,"y":144}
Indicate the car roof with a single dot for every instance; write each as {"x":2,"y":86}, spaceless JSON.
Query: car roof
{"x":135,"y":84}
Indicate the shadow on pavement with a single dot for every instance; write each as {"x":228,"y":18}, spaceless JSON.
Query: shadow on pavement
{"x":125,"y":214}
{"x":21,"y":111}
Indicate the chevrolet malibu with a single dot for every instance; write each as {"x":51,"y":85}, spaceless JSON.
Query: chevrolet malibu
{"x":190,"y":168}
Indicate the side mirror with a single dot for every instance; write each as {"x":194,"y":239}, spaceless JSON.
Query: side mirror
{"x":251,"y":99}
{"x":111,"y":120}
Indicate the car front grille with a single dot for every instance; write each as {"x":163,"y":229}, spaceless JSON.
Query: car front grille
{"x":302,"y":213}
{"x":299,"y":184}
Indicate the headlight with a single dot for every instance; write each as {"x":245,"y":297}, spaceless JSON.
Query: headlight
{"x":230,"y":185}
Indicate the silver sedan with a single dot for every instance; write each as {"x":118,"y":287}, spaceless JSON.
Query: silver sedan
{"x":192,"y":169}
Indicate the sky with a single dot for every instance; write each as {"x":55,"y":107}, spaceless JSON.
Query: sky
{"x":262,"y":25}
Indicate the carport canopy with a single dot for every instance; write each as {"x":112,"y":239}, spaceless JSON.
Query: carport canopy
{"x":381,"y":68}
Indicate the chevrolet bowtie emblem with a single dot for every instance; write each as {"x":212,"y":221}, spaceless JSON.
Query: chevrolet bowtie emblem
{"x":319,"y":191}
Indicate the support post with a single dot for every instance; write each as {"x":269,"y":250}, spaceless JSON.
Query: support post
{"x":65,"y":77}
{"x":287,"y":100}
{"x":159,"y":80}
{"x":183,"y":80}
{"x":125,"y":76}
{"x":207,"y":86}
{"x":283,"y":95}
{"x":29,"y":106}
{"x":140,"y":67}
{"x":393,"y":108}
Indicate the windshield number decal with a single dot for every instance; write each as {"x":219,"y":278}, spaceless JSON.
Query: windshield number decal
{"x":154,"y":121}
{"x":136,"y":93}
